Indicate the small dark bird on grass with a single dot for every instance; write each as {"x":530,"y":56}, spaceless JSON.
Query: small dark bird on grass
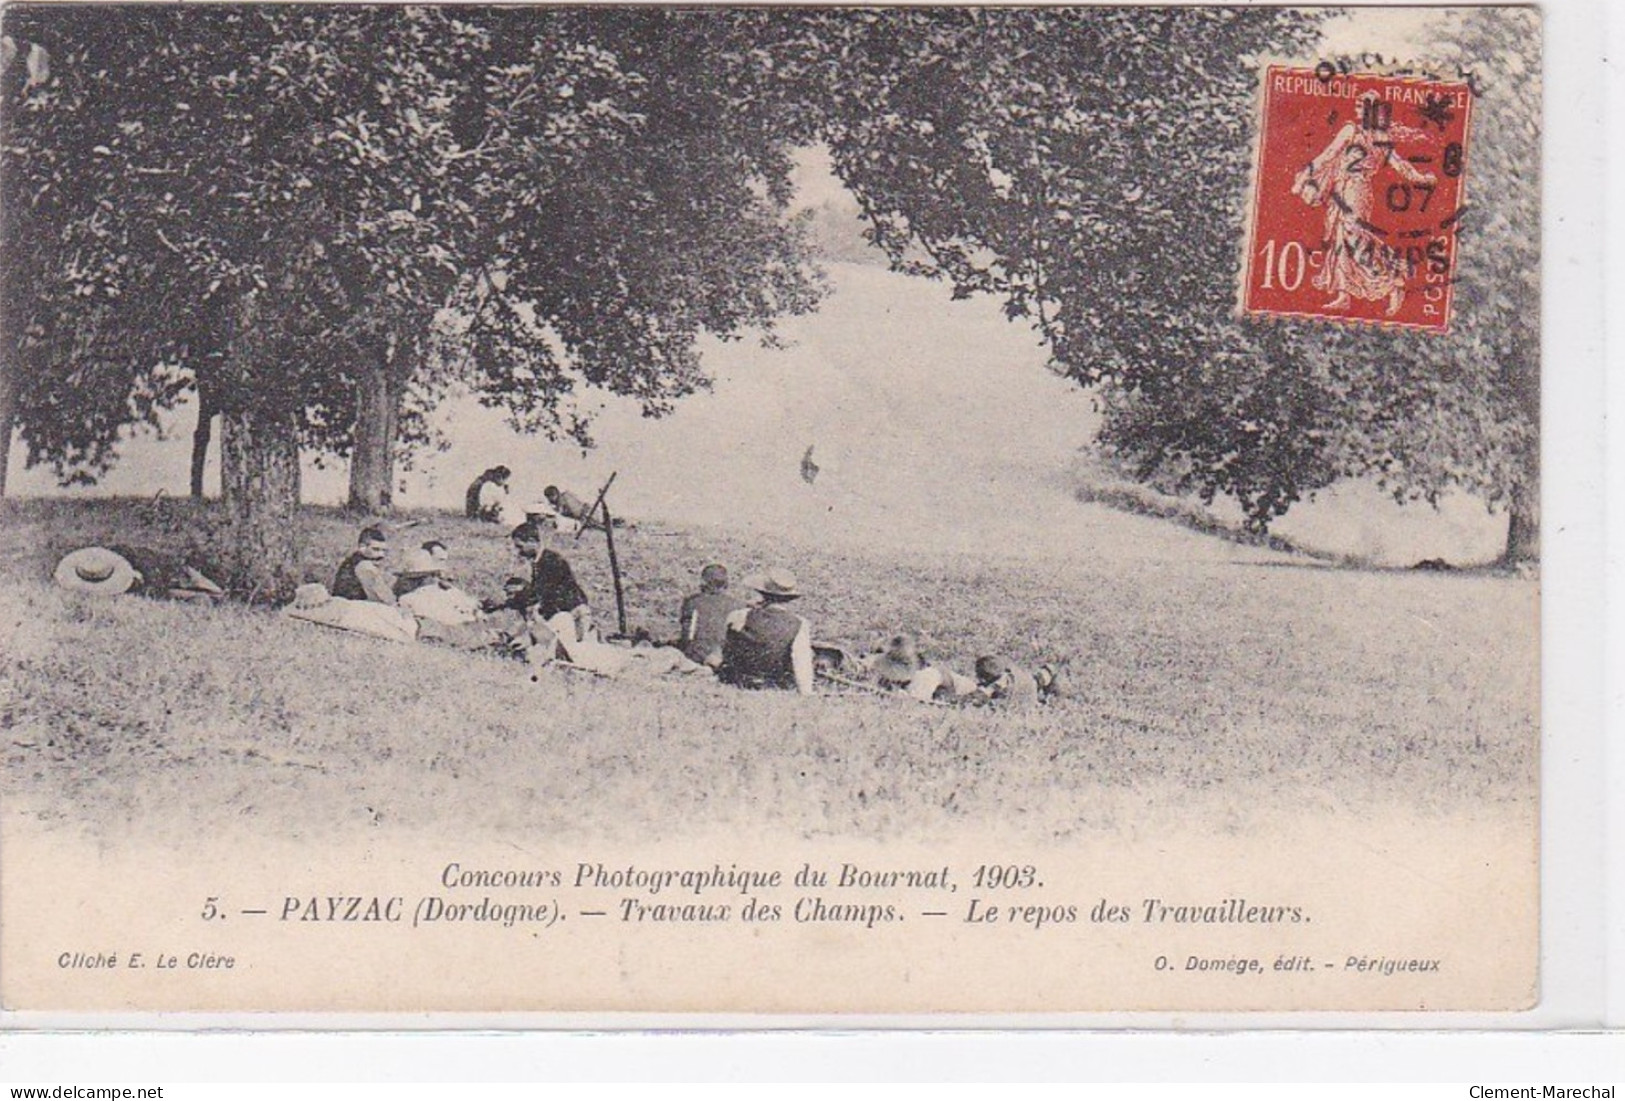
{"x":809,"y":469}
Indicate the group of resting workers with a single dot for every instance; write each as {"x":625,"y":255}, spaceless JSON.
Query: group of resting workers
{"x":750,"y":642}
{"x":490,"y":498}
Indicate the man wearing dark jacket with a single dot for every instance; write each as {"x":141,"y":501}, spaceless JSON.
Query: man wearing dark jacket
{"x":769,"y":646}
{"x":361,"y":576}
{"x":553,"y":587}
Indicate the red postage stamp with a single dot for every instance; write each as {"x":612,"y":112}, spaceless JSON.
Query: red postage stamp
{"x":1358,"y":191}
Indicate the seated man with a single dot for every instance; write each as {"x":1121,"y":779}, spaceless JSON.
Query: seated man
{"x":487,"y":495}
{"x":1003,"y":684}
{"x":769,"y":646}
{"x":703,"y":621}
{"x":900,"y":666}
{"x":445,"y":613}
{"x":362,"y":576}
{"x":553,"y":587}
{"x":423,"y":590}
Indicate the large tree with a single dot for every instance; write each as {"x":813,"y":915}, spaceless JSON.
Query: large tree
{"x":279,"y":204}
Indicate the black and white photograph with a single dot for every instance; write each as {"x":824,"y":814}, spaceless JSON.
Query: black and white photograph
{"x":775,"y":510}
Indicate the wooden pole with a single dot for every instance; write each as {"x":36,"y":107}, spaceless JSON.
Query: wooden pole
{"x":601,"y":505}
{"x":614,"y":565}
{"x":586,"y":520}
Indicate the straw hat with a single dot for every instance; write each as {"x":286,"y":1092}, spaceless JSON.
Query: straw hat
{"x":311,"y":595}
{"x":421,"y":563}
{"x":899,"y":662}
{"x":777,"y":582}
{"x":96,"y":570}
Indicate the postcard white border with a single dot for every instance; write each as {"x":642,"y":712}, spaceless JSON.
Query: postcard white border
{"x":1583,"y":831}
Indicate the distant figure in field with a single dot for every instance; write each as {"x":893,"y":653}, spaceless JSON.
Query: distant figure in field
{"x":137,"y":571}
{"x":488,"y":495}
{"x":553,"y":587}
{"x":1003,"y":684}
{"x":809,"y":469}
{"x":769,"y":646}
{"x":567,"y":506}
{"x":362,"y":576}
{"x":703,"y":620}
{"x":899,"y":666}
{"x":565,"y":503}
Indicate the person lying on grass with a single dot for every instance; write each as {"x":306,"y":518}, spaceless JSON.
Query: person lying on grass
{"x":138,"y":571}
{"x":1003,"y":684}
{"x":312,"y":603}
{"x":899,"y":666}
{"x":1054,"y":681}
{"x":554,"y":640}
{"x":567,"y":506}
{"x":362,"y":576}
{"x":769,"y":646}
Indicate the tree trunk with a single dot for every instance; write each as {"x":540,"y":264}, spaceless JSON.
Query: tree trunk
{"x":1523,"y":527}
{"x":372,"y":458}
{"x":259,"y":481}
{"x":259,"y":465}
{"x":8,"y":412}
{"x":201,"y":436}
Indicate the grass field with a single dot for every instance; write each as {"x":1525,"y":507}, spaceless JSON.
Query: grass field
{"x":1218,"y":686}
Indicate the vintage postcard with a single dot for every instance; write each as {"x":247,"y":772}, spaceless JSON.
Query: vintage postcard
{"x":929,"y":510}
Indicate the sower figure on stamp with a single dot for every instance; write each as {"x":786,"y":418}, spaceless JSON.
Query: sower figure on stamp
{"x":1358,"y":263}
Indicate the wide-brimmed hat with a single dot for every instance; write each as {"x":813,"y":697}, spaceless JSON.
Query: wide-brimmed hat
{"x":777,"y":582}
{"x":96,"y":570}
{"x":899,"y":661}
{"x":312,"y":594}
{"x":421,"y":563}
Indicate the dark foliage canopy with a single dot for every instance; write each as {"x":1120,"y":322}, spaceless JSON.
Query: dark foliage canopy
{"x":536,"y":202}
{"x":526,"y":201}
